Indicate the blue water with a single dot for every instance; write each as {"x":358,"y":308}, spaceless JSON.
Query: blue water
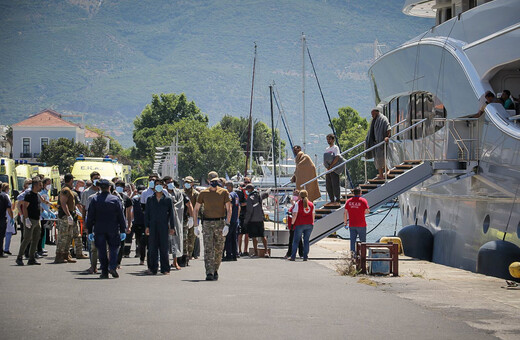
{"x":386,"y":228}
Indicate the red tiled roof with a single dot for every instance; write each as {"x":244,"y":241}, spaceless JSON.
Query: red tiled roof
{"x":91,"y":134}
{"x":46,"y":118}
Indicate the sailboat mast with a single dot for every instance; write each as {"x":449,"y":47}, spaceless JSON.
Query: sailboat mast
{"x":303,"y":89}
{"x":249,"y":149}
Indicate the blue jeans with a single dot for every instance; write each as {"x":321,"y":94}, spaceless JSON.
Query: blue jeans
{"x":354,"y":233}
{"x":306,"y":230}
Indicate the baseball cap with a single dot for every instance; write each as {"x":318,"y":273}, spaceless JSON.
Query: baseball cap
{"x":189,"y":179}
{"x":212,"y":175}
{"x":103,"y":183}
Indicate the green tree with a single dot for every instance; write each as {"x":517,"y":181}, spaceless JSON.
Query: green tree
{"x":203,"y":148}
{"x":352,"y":129}
{"x":98,"y":147}
{"x":167,"y":109}
{"x":262,"y":135}
{"x":62,"y":152}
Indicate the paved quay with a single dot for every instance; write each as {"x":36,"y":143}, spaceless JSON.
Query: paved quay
{"x":255,"y":298}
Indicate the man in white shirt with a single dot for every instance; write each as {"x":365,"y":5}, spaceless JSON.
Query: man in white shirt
{"x":330,"y":160}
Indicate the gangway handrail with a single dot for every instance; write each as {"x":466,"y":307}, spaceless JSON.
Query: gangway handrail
{"x":364,"y":151}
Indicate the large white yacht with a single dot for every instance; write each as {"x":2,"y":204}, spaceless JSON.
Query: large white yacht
{"x":471,"y":202}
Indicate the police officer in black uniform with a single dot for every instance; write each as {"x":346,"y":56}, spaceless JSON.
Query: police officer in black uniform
{"x":106,"y":225}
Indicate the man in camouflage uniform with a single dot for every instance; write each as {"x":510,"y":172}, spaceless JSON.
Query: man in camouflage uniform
{"x":215,"y":223}
{"x":66,"y":220}
{"x":188,"y":230}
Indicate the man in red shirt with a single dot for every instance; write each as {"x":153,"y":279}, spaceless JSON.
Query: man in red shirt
{"x":354,"y":217}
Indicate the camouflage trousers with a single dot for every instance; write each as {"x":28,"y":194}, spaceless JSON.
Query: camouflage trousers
{"x":65,"y":234}
{"x":76,"y":236}
{"x":213,"y":244}
{"x":188,"y":239}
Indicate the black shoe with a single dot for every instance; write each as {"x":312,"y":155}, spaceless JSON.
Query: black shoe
{"x":181,"y":261}
{"x":19,"y":261}
{"x":245,"y":254}
{"x":3,"y":255}
{"x":7,"y":252}
{"x":38,"y":256}
{"x":209,"y":277}
{"x":215,"y":276}
{"x":103,"y":276}
{"x":114,"y":273}
{"x":305,"y":259}
{"x":33,"y":262}
{"x":234,"y":259}
{"x":226,"y":259}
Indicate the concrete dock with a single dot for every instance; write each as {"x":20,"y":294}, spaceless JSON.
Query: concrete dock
{"x":255,"y":298}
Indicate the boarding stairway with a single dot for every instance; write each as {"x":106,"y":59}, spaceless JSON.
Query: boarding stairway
{"x":377,"y":192}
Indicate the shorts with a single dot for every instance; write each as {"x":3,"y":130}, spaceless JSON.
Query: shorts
{"x":256,"y":229}
{"x":242,"y":228}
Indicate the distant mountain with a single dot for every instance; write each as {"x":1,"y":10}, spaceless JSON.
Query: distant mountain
{"x":105,"y":58}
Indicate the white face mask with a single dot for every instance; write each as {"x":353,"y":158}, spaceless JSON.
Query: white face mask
{"x":119,"y":189}
{"x":48,"y":187}
{"x":187,"y":185}
{"x":170,"y":186}
{"x":80,"y":189}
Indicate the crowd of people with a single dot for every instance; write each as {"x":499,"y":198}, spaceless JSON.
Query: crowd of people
{"x":104,"y":217}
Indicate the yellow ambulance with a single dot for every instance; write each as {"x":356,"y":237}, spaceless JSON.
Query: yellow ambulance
{"x":8,"y":174}
{"x":106,"y":166}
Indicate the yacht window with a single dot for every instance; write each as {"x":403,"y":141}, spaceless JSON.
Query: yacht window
{"x":415,"y":213}
{"x":438,"y":219}
{"x":486,"y":223}
{"x":425,"y":216}
{"x":407,"y":211}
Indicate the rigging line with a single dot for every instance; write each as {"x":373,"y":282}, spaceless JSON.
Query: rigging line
{"x":284,"y":117}
{"x":417,"y":55}
{"x":284,"y":124}
{"x":250,"y":125}
{"x":377,"y":225}
{"x":328,"y":114}
{"x":511,"y":212}
{"x":441,"y":65}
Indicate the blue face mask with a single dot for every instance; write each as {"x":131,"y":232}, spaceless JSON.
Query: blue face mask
{"x":120,"y":189}
{"x":151,"y":184}
{"x":170,"y":186}
{"x":94,"y":182}
{"x":187,"y":185}
{"x":158,"y":188}
{"x":214,"y":184}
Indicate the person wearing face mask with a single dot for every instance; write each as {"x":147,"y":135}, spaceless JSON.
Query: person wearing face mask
{"x":295,"y":198}
{"x":141,"y":239}
{"x":178,"y":201}
{"x":255,"y":219}
{"x":79,"y":187}
{"x":32,"y":210}
{"x":106,"y":226}
{"x":159,"y":221}
{"x":215,"y":223}
{"x":242,"y":230}
{"x":86,"y":198}
{"x":126,"y":204}
{"x":66,"y":220}
{"x":193,"y":194}
{"x":19,"y":200}
{"x":44,"y":197}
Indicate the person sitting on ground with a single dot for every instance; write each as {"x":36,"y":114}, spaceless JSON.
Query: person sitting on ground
{"x":354,"y":218}
{"x":379,"y":131}
{"x":303,"y":219}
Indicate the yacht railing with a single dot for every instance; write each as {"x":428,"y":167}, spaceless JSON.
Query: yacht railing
{"x":364,"y":151}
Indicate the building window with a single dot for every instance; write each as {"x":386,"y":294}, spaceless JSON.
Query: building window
{"x":26,"y":145}
{"x":43,"y":141}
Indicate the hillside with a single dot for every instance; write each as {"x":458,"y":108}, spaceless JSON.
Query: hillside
{"x":106,"y":58}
